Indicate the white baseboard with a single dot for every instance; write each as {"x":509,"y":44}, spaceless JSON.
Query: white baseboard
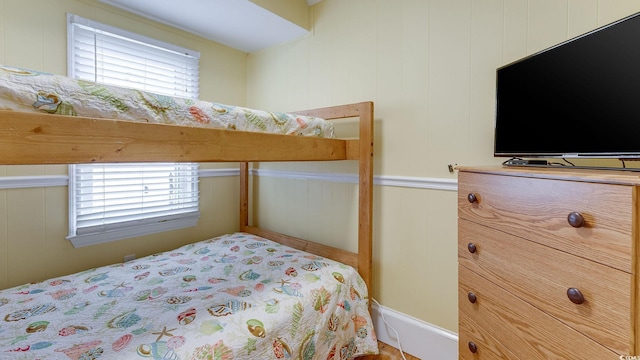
{"x":418,"y":338}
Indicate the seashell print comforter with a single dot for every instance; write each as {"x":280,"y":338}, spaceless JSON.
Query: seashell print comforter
{"x":237,"y":296}
{"x":32,"y":91}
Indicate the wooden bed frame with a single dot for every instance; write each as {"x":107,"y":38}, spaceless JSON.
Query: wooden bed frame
{"x":34,"y":138}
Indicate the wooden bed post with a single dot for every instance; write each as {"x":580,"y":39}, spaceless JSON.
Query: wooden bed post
{"x":244,"y":196}
{"x":365,"y":189}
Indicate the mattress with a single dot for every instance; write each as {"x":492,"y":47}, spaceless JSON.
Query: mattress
{"x":32,"y":91}
{"x":237,"y":296}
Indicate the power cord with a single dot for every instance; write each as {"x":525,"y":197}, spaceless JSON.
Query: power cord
{"x":390,"y":327}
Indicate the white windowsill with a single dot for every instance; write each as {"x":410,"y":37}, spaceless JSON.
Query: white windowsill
{"x":134,"y":231}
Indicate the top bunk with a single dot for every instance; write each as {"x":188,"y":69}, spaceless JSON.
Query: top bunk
{"x":52,"y":119}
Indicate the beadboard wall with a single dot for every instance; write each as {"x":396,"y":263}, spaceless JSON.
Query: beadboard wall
{"x":429,"y":66}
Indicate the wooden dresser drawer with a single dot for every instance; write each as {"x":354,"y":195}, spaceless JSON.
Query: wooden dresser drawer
{"x":538,"y":209}
{"x":474,"y":342}
{"x":542,"y":276}
{"x":522,"y":329}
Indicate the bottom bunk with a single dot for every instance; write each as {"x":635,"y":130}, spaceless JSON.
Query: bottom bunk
{"x":236,"y":296}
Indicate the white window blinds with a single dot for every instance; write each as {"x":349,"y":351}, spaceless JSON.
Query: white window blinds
{"x":115,"y":196}
{"x":108,"y":55}
{"x":116,"y":201}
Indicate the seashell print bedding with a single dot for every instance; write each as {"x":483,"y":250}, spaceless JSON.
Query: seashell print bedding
{"x":32,"y":91}
{"x":237,"y":296}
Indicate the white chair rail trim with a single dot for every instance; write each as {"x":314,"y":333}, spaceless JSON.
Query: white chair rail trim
{"x":18,"y":182}
{"x":381,"y":180}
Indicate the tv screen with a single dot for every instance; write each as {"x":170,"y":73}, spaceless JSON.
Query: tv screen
{"x":580,"y":98}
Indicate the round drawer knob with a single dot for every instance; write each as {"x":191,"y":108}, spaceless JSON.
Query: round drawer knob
{"x":472,"y":297}
{"x":575,"y":296}
{"x":472,"y":198}
{"x":472,"y":248}
{"x":473,"y":347}
{"x":575,"y":219}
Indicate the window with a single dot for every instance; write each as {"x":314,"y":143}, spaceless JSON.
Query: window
{"x":108,"y":55}
{"x":115,"y":201}
{"x":125,"y":200}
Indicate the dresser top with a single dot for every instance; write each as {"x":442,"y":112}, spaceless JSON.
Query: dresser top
{"x":620,"y":177}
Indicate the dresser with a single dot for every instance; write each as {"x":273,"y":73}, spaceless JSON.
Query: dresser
{"x":547,"y":263}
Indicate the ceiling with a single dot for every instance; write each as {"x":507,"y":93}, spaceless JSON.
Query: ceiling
{"x":239,"y":24}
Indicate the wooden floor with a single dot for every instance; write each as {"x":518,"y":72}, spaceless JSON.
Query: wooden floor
{"x":387,"y":352}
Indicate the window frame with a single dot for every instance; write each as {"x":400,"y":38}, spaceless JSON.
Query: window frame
{"x":126,"y":229}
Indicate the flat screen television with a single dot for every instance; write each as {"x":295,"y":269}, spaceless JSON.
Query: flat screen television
{"x":580,"y":98}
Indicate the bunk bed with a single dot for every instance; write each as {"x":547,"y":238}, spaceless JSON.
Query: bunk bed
{"x":221,"y":298}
